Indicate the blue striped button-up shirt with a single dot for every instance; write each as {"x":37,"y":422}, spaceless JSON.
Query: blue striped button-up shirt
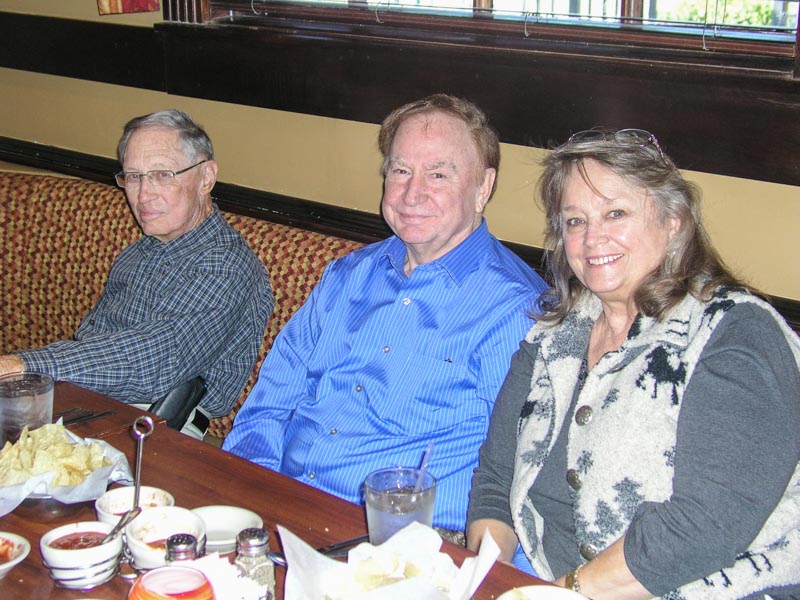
{"x":377,"y":364}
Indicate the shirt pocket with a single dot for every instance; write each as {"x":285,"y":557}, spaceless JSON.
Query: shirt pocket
{"x":427,"y":394}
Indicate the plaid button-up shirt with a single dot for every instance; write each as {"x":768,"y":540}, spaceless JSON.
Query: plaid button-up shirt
{"x":196,"y":305}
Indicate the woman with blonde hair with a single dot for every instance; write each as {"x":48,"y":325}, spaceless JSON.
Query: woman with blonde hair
{"x":645,"y":441}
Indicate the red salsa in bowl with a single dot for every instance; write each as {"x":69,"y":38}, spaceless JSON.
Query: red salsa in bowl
{"x":78,"y":540}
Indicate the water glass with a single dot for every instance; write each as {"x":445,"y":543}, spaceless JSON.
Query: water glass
{"x":394,"y":499}
{"x":26,"y":400}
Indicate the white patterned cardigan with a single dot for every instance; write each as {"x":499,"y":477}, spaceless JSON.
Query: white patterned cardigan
{"x":620,"y":463}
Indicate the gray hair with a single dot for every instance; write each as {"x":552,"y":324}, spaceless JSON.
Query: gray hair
{"x":194,"y":141}
{"x":690,"y":265}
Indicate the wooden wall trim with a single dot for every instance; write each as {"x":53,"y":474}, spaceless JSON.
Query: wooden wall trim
{"x":305,"y":214}
{"x":185,"y":11}
{"x":105,"y":52}
{"x":714,"y":121}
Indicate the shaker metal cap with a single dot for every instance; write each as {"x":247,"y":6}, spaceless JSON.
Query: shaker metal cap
{"x":252,"y":541}
{"x":181,"y":546}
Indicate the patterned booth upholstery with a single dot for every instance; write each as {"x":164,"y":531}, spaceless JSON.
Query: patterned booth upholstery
{"x":60,"y":236}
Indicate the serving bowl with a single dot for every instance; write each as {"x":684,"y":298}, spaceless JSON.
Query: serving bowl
{"x":114,"y":503}
{"x":223,"y":524}
{"x":147,"y":534}
{"x":81,"y":568}
{"x":43,"y":508}
{"x":13,"y":550}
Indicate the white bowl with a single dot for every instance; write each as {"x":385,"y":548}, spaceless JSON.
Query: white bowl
{"x":114,"y":503}
{"x":223,"y":524}
{"x":540,"y":592}
{"x":83,"y":568}
{"x":19,"y":550}
{"x":147,"y":533}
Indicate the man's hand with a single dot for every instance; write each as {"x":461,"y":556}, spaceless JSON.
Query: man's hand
{"x":11,"y":363}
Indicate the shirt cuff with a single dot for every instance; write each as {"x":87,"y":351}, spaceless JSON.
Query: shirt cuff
{"x":39,"y":360}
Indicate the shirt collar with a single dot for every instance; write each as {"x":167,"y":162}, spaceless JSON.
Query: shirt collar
{"x":458,"y":263}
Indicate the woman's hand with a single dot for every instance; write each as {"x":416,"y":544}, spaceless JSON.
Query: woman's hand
{"x":607,"y":577}
{"x":503,"y":535}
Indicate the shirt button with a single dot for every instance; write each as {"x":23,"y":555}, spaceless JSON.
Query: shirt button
{"x":312,"y":475}
{"x":583,"y":415}
{"x":574,"y":479}
{"x":359,"y":388}
{"x":588,"y":551}
{"x":406,"y":301}
{"x":386,"y":348}
{"x":334,"y":431}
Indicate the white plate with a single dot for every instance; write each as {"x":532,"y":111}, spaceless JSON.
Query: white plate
{"x":223,"y":524}
{"x":540,"y":592}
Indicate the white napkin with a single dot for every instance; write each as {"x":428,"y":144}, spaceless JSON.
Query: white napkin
{"x":411,"y":557}
{"x":224,"y":578}
{"x":91,"y":488}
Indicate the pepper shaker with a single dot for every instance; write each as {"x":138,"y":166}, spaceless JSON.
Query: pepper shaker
{"x":181,"y":546}
{"x":252,"y":545}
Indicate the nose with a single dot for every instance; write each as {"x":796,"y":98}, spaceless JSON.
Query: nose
{"x":146,"y":188}
{"x":594,"y":234}
{"x":415,"y":190}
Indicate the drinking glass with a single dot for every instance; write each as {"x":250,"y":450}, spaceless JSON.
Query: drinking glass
{"x":26,"y":400}
{"x":394,"y":499}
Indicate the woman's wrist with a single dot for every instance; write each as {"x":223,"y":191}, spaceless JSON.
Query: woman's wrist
{"x":571,"y":581}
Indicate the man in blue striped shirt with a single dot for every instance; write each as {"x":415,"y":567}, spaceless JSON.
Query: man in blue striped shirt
{"x":407,"y":341}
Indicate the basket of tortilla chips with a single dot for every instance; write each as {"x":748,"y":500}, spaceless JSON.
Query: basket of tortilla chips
{"x":52,"y":466}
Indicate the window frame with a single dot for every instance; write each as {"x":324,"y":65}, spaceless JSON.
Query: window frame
{"x":628,"y":43}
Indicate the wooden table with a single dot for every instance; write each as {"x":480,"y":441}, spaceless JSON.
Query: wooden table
{"x":198,"y":474}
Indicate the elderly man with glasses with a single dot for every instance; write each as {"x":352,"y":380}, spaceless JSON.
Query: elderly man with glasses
{"x":189,"y":301}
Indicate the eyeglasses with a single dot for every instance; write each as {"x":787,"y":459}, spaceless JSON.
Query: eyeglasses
{"x":623,"y":137}
{"x":157,"y":177}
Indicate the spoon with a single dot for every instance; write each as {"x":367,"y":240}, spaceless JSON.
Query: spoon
{"x":142,"y":427}
{"x":123,"y":520}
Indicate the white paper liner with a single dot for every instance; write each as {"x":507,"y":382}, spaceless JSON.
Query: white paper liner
{"x":91,"y":488}
{"x":224,"y":578}
{"x":413,"y":551}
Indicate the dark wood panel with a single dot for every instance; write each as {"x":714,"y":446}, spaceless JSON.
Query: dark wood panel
{"x":742,"y":121}
{"x":109,"y":53}
{"x":313,"y":216}
{"x":718,"y":122}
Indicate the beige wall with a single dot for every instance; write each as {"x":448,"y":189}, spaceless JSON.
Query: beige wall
{"x":753,"y":224}
{"x":85,"y":10}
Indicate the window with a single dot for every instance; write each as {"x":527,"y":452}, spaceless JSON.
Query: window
{"x":750,"y":27}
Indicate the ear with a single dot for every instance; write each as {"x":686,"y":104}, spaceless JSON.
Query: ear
{"x":485,"y":190}
{"x":209,"y":176}
{"x":673,"y":226}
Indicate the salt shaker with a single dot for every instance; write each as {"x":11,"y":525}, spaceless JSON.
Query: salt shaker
{"x":252,"y":545}
{"x":181,"y":546}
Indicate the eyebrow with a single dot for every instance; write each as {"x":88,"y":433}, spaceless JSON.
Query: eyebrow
{"x":442,"y":164}
{"x":447,"y":164}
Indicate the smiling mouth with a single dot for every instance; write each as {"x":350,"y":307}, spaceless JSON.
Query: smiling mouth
{"x":604,"y":260}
